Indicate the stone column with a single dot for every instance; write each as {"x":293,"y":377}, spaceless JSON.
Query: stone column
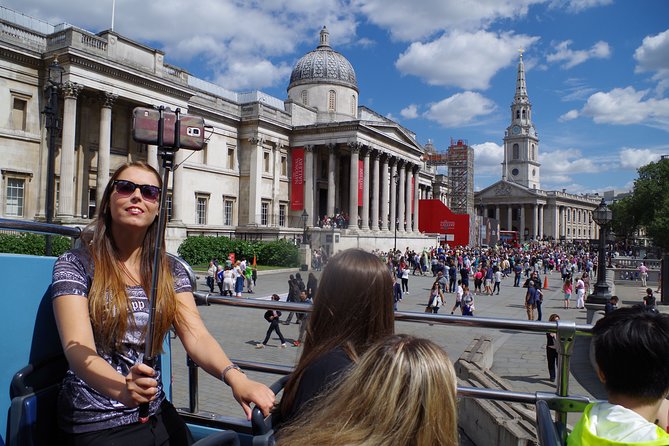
{"x":408,"y":197}
{"x":521,"y":232}
{"x":497,"y":214}
{"x":67,"y":176}
{"x":509,"y":218}
{"x":331,"y":179}
{"x":556,"y":222}
{"x":535,"y":220}
{"x":416,"y":197}
{"x":392,"y":193}
{"x":401,"y":201}
{"x":152,"y":156}
{"x":353,"y":186}
{"x":376,"y":191}
{"x":365,"y":190}
{"x":542,"y":215}
{"x":179,"y":193}
{"x":276,"y":186}
{"x":309,"y":183}
{"x":255,"y":179}
{"x":104,"y":146}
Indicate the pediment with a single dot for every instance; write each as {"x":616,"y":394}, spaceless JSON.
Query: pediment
{"x":505,"y":189}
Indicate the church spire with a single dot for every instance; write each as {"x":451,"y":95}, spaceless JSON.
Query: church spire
{"x":521,"y":86}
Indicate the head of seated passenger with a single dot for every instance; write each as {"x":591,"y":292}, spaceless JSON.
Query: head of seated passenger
{"x":353,"y":308}
{"x":632,"y":355}
{"x":402,"y":391}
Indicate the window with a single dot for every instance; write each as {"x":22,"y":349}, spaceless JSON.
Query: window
{"x":533,"y":153}
{"x":305,"y":97}
{"x":282,"y":215}
{"x":91,"y":202}
{"x":228,"y":208}
{"x":284,"y":165}
{"x":168,"y":205}
{"x":231,"y":158}
{"x":264,"y":213}
{"x":523,"y":113}
{"x":332,"y":100}
{"x":265,"y":162}
{"x":516,"y":151}
{"x":15,"y":197}
{"x":201,"y":210}
{"x":517,"y":114}
{"x":19,"y":110}
{"x":353,"y":105}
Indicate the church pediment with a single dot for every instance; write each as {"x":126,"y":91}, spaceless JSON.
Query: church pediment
{"x":504,"y":189}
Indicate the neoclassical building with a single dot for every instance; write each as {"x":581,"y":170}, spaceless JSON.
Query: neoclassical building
{"x":265,"y":162}
{"x":517,"y":201}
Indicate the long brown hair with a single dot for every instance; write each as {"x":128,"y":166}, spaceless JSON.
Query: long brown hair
{"x":353,"y":308}
{"x":108,"y":302}
{"x":402,"y":392}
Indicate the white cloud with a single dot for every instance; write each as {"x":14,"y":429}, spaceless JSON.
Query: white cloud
{"x":623,"y":106}
{"x":410,"y":112}
{"x":571,"y":58}
{"x":575,"y":6}
{"x":565,"y":163}
{"x":569,"y":116}
{"x":488,"y":158}
{"x":460,"y":109}
{"x":653,"y":56}
{"x":635,"y":158}
{"x":419,"y":19}
{"x":462,"y":59}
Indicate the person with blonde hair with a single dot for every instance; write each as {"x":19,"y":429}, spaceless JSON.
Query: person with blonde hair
{"x":352,"y":309}
{"x":401,"y":392}
{"x":101,"y":300}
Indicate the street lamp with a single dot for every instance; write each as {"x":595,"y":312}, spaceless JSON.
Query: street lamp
{"x":602,"y":215}
{"x":304,"y":217}
{"x":54,"y":82}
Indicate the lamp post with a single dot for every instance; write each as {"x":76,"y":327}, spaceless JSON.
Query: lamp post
{"x":54,"y":82}
{"x":396,"y":178}
{"x":304,"y":217}
{"x":602,"y":215}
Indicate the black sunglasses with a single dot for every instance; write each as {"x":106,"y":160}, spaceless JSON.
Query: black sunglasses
{"x":126,"y":188}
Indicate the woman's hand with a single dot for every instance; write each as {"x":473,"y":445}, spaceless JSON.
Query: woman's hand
{"x":247,"y":391}
{"x":140,"y":386}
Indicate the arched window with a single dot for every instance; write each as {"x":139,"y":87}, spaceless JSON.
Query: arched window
{"x":305,"y":97}
{"x":533,"y":153}
{"x":517,"y":114}
{"x":354,"y":106}
{"x":523,"y":113}
{"x":332,"y":100}
{"x":516,"y":151}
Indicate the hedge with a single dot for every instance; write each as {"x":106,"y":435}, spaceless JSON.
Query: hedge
{"x":33,"y":244}
{"x":201,"y":249}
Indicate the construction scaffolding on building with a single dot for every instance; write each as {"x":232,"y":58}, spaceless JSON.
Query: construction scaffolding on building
{"x":459,"y":160}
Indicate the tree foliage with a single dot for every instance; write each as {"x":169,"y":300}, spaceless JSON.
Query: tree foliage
{"x":648,"y":206}
{"x":33,"y":244}
{"x":199,"y":250}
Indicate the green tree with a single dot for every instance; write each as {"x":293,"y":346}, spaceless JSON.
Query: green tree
{"x":625,"y":218}
{"x":651,"y":201}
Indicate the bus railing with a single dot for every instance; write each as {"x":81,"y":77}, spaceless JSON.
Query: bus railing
{"x":566,"y":332}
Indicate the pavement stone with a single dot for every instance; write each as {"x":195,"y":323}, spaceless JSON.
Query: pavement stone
{"x":519,"y":357}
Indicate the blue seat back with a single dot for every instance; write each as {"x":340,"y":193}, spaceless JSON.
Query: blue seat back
{"x":28,"y":330}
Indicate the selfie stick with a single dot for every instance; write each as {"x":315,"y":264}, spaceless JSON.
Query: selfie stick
{"x":167,"y":155}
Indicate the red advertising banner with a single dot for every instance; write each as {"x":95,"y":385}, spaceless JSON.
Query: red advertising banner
{"x":413,"y":192}
{"x":361,"y":179}
{"x":454,"y":228}
{"x":297,"y":180}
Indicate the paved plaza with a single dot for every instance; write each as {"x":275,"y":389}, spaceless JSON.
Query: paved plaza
{"x":519,"y":357}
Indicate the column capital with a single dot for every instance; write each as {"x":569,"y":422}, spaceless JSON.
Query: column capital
{"x":71,"y":90}
{"x":354,"y":146}
{"x":309,"y":147}
{"x":107,"y":99}
{"x":332,"y":147}
{"x":257,"y":140}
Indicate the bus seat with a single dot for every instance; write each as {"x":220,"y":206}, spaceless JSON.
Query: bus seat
{"x":223,"y":438}
{"x":261,"y":427}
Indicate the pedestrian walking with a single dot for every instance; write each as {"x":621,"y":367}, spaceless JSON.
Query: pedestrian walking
{"x":436,"y":298}
{"x":458,"y":297}
{"x":273,"y":316}
{"x":531,"y":300}
{"x":551,"y":348}
{"x":211,"y":276}
{"x":467,"y":302}
{"x":498,"y":280}
{"x":566,"y":289}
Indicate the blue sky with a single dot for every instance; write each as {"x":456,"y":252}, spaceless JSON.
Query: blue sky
{"x":597,"y":70}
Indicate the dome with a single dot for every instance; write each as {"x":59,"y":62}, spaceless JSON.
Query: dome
{"x":323,"y":65}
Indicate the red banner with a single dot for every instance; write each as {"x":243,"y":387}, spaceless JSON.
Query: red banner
{"x":361,"y":179}
{"x":297,"y":180}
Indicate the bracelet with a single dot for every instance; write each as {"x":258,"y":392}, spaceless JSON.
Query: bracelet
{"x":232,"y":366}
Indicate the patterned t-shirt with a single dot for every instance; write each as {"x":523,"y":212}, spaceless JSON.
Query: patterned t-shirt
{"x":81,"y":408}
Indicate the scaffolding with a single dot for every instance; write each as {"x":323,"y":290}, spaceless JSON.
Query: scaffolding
{"x":460,"y":162}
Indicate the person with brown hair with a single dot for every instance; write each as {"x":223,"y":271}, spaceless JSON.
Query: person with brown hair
{"x":352,"y":309}
{"x":401,"y":392}
{"x":100,"y":298}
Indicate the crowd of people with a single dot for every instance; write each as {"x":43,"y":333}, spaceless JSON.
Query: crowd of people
{"x":355,"y":378}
